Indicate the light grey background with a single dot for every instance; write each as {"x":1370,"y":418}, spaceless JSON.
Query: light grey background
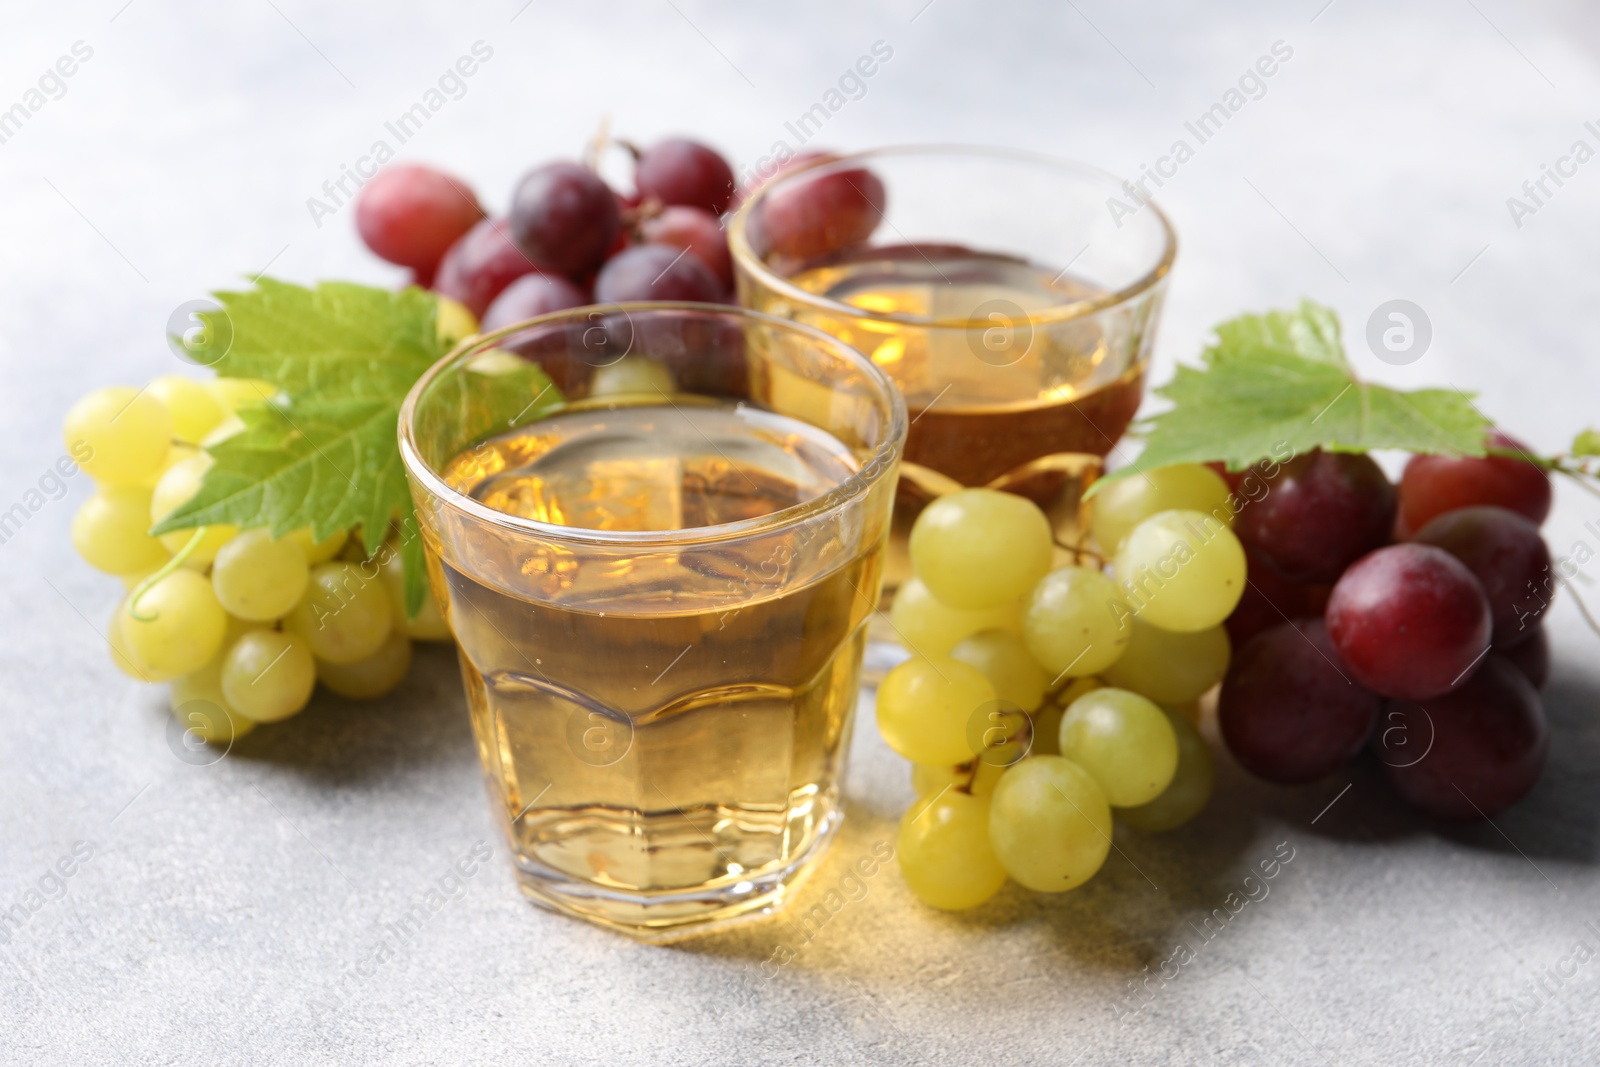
{"x":222,"y":904}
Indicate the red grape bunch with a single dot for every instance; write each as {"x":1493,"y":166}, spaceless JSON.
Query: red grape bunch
{"x":1405,"y":619}
{"x":567,"y":239}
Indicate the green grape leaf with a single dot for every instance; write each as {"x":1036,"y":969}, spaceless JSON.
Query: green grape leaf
{"x":1279,"y":385}
{"x":328,"y":456}
{"x":1311,"y":331}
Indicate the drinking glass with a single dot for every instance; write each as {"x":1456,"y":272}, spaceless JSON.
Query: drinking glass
{"x":657,"y":531}
{"x":1012,"y":297}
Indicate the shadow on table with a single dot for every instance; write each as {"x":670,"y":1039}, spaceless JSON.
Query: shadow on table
{"x":1559,"y":819}
{"x":344,"y":742}
{"x":1154,"y":889}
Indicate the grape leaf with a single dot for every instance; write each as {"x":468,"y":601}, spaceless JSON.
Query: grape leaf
{"x":1279,"y":384}
{"x":328,"y":457}
{"x":1310,"y":331}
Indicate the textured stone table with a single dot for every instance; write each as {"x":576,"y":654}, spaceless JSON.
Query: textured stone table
{"x":236,"y":912}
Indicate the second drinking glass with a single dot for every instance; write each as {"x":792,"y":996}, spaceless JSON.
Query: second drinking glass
{"x":1013,"y":298}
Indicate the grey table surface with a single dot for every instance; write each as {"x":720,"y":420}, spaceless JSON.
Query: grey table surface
{"x":234,"y":912}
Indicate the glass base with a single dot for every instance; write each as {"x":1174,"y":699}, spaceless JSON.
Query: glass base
{"x":670,"y":915}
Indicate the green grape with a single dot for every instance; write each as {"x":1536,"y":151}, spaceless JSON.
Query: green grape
{"x":1124,"y":504}
{"x":230,"y":426}
{"x":371,"y":677}
{"x":181,"y":627}
{"x":122,"y":656}
{"x":236,"y":394}
{"x":632,"y":374}
{"x":925,"y":705}
{"x":268,"y":675}
{"x":929,"y":628}
{"x":1190,"y":789}
{"x":1049,"y":824}
{"x":1124,"y":741}
{"x":985,"y":776}
{"x":257,"y":578}
{"x":496,"y":362}
{"x":1047,"y":719}
{"x":1075,"y":622}
{"x":177,"y":485}
{"x":195,"y":409}
{"x":979,"y":548}
{"x":118,"y":435}
{"x":1188,"y":711}
{"x":1047,"y":729}
{"x":180,"y":451}
{"x":342,"y":616}
{"x":109,"y":531}
{"x":1171,"y":668}
{"x":428,"y":624}
{"x":1007,"y":663}
{"x":454,"y":320}
{"x":944,"y":853}
{"x":1182,"y":571}
{"x":1076,"y":688}
{"x":317,"y":551}
{"x":198,"y":702}
{"x":931,"y":777}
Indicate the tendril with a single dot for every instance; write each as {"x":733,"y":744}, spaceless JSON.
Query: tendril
{"x":166,"y":568}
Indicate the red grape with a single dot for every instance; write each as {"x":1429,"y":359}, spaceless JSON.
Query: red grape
{"x":677,"y":171}
{"x":654,"y":272}
{"x":1288,"y":711}
{"x":1531,"y":657}
{"x":1230,"y":478}
{"x":699,"y":232}
{"x":1409,"y":621}
{"x":1505,"y":553}
{"x":1321,"y":512}
{"x":410,"y":215}
{"x":1468,"y":755}
{"x":797,"y":161}
{"x":529,"y":296}
{"x":1269,"y":599}
{"x":480,"y":265}
{"x":565,"y":218}
{"x":810,"y":216}
{"x":1433,"y":485}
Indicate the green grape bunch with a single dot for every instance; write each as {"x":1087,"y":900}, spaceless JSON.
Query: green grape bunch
{"x":1046,"y":697}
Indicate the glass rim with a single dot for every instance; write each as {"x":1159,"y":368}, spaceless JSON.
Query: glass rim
{"x":744,"y":255}
{"x":883,"y":458}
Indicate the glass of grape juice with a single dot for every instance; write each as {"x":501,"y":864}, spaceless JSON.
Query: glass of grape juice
{"x":1012,"y":297}
{"x":658,"y":532}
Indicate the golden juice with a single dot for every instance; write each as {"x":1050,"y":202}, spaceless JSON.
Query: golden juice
{"x":660,"y":723}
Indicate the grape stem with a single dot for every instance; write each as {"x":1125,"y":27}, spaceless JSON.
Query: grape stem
{"x":970,"y":769}
{"x":646,"y":209}
{"x":1584,"y":472}
{"x":597,"y":144}
{"x":1079,"y":551}
{"x":167,"y":568}
{"x":1583,"y":609}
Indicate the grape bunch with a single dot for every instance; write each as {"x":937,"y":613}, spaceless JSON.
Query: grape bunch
{"x":568,"y":239}
{"x":1041,"y":699}
{"x":243,"y":625}
{"x":1041,"y":703}
{"x":1406,"y":619}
